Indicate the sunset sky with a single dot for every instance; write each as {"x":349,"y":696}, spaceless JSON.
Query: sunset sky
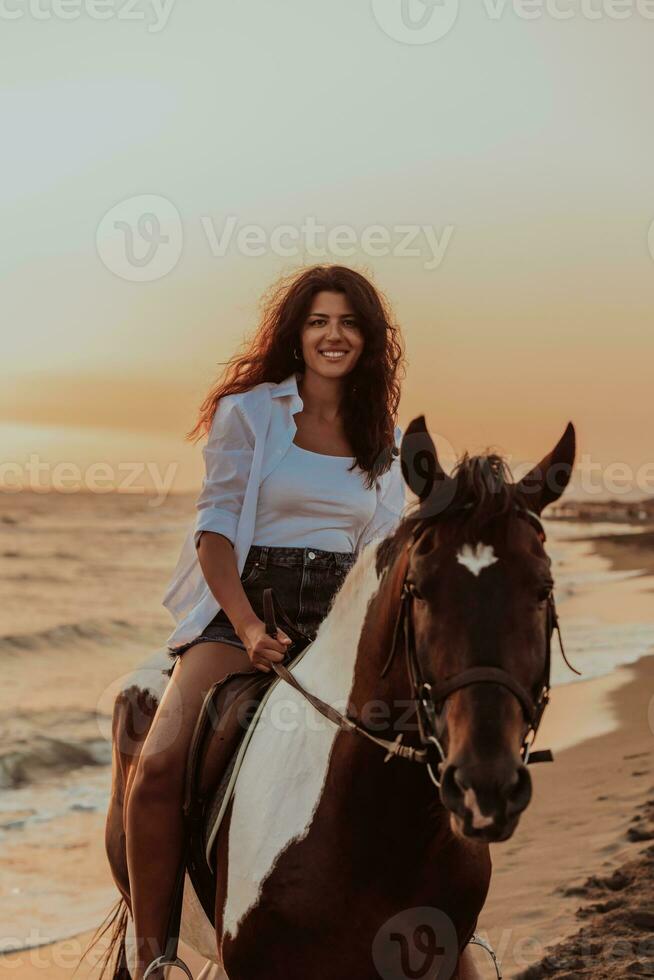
{"x":524,"y":146}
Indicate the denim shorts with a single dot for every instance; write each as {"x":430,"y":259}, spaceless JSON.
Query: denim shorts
{"x":305,"y":581}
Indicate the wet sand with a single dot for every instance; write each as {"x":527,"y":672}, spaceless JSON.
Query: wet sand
{"x":577,"y":825}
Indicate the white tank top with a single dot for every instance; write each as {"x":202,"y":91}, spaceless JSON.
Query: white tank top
{"x":311,"y":499}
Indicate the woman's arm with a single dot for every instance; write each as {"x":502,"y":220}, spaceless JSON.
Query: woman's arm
{"x":218,"y":562}
{"x":228,"y":459}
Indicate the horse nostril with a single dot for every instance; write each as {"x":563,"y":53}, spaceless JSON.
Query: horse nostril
{"x":451,"y":792}
{"x":520,"y":794}
{"x":460,"y":779}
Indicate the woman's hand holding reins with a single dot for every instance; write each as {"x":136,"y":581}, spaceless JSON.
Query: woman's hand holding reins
{"x":263,"y":649}
{"x":218,"y":562}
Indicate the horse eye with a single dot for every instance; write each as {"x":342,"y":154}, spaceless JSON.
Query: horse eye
{"x":545,"y":592}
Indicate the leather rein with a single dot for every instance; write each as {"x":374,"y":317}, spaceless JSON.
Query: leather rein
{"x":430,"y":699}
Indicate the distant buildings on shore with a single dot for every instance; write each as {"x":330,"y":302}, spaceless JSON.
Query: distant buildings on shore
{"x":614,"y":511}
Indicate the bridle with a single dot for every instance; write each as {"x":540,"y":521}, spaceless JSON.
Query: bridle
{"x":430,"y":699}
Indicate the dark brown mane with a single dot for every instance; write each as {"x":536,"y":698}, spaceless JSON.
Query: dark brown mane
{"x":479,"y":490}
{"x":484,"y":490}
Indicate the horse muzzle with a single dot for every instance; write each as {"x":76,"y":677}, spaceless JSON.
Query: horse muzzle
{"x":486,"y":801}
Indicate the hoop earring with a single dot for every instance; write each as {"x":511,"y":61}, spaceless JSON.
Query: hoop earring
{"x":298,"y":357}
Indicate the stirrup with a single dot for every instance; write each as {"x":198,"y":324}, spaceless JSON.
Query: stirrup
{"x":167,"y":961}
{"x":478,"y":941}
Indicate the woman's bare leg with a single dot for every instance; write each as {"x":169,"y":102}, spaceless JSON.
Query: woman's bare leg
{"x":154,"y":828}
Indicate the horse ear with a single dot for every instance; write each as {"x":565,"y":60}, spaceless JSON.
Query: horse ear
{"x":547,"y":481}
{"x":421,"y":467}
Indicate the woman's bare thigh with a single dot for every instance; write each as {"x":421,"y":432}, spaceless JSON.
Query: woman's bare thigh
{"x":197,"y":670}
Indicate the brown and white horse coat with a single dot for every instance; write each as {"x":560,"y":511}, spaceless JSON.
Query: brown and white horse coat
{"x":324,"y":842}
{"x":320,"y":831}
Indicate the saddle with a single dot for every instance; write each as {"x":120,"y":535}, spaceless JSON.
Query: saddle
{"x":222,"y":733}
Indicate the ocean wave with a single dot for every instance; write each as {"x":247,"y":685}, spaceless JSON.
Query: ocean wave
{"x":44,"y":756}
{"x":59,"y":554}
{"x":37,"y":745}
{"x":70,"y":634}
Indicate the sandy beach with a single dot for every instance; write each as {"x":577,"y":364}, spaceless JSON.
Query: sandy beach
{"x":580,"y":860}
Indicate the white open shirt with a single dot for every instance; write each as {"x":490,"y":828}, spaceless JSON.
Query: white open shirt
{"x":250,"y":433}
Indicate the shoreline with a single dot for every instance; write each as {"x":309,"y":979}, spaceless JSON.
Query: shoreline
{"x":577,"y":827}
{"x":622,"y":550}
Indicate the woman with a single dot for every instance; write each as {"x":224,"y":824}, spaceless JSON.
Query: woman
{"x":301,"y":472}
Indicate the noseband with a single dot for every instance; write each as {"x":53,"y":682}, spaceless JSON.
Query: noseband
{"x":430,"y":699}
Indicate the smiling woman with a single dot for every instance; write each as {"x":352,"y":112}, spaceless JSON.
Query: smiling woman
{"x":302,"y":473}
{"x":306,"y":315}
{"x":331,"y":330}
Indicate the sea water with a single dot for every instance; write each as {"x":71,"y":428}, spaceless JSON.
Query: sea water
{"x":81,"y":581}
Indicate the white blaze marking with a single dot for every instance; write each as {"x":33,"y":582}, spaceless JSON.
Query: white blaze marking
{"x":281,"y":782}
{"x":479,"y":821}
{"x":477,"y":558}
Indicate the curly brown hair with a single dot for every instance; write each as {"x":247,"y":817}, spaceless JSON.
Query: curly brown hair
{"x":372,"y":395}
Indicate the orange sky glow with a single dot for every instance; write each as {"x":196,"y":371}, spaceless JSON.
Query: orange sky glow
{"x":497,"y":184}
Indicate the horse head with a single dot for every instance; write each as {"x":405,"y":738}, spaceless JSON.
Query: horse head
{"x":481,"y":618}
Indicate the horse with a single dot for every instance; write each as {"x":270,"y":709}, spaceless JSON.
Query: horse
{"x":335,"y":858}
